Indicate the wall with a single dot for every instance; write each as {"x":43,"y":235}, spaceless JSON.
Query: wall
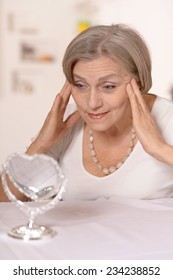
{"x":154,"y":20}
{"x":21,"y":115}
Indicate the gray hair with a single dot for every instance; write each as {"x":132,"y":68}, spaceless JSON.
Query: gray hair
{"x":119,"y":42}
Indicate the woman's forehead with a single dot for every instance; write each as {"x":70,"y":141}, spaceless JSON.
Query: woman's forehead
{"x":101,"y":68}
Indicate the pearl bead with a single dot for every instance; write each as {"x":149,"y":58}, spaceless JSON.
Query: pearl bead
{"x":107,"y":171}
{"x":93,"y":153}
{"x":112,"y":169}
{"x":91,"y":139}
{"x":95,"y":159}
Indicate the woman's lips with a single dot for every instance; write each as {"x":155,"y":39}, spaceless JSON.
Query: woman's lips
{"x":97,"y":116}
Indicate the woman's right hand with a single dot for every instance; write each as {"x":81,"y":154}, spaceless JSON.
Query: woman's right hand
{"x":54,"y":127}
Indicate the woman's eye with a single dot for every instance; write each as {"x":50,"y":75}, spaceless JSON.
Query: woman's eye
{"x":80,"y":85}
{"x":109,"y":86}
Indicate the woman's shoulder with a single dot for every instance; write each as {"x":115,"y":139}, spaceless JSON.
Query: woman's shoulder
{"x":158,"y":103}
{"x":150,"y":100}
{"x":162,"y":111}
{"x":163,"y":105}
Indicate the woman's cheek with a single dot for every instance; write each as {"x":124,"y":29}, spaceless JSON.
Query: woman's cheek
{"x":116,"y":100}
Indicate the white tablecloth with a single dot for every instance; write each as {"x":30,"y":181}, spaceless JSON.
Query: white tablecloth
{"x":103,"y":229}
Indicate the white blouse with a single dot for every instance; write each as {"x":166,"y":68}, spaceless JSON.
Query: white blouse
{"x":141,"y":176}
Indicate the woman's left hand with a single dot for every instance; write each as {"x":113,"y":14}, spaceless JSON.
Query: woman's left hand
{"x":144,"y":125}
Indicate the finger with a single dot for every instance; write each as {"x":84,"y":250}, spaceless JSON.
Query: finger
{"x":65,"y":86}
{"x":57,"y":104}
{"x":65,"y":94}
{"x":72,"y":119}
{"x":62,"y":98}
{"x":137,"y":111}
{"x":138,"y":94}
{"x":66,"y":91}
{"x":135,"y":106}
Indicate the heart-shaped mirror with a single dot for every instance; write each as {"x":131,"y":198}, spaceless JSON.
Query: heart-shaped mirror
{"x":39,"y":178}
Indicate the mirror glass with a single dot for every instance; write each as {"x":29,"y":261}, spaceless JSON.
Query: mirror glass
{"x":36,"y":177}
{"x":40,"y":179}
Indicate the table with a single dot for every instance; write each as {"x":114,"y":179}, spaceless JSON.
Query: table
{"x":104,"y":229}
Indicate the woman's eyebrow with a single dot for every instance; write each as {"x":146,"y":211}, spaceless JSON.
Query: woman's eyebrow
{"x":78,"y":77}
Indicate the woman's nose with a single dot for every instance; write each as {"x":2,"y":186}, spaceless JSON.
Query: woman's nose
{"x":94,"y":99}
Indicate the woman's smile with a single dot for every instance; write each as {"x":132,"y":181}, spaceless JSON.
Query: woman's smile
{"x":97,"y":116}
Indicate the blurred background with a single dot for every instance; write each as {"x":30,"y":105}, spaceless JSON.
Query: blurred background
{"x":33,"y":38}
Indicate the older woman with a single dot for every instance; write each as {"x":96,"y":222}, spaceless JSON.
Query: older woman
{"x":116,"y":139}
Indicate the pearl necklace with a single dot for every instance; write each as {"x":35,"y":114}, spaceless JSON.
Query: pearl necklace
{"x":107,"y":171}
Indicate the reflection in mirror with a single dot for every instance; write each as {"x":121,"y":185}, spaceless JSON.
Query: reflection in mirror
{"x":36,"y":177}
{"x":40,"y":179}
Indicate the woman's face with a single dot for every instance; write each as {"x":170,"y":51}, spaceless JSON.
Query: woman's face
{"x":99,"y":92}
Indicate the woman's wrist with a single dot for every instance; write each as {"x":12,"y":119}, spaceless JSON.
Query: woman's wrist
{"x":36,"y":148}
{"x":165,"y":154}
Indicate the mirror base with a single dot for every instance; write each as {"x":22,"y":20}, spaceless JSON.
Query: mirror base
{"x":26,"y":232}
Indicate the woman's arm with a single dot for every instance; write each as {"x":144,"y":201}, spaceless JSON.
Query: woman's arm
{"x":3,"y":196}
{"x":165,"y":154}
{"x":146,"y":128}
{"x":54,"y":127}
{"x":53,"y":130}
